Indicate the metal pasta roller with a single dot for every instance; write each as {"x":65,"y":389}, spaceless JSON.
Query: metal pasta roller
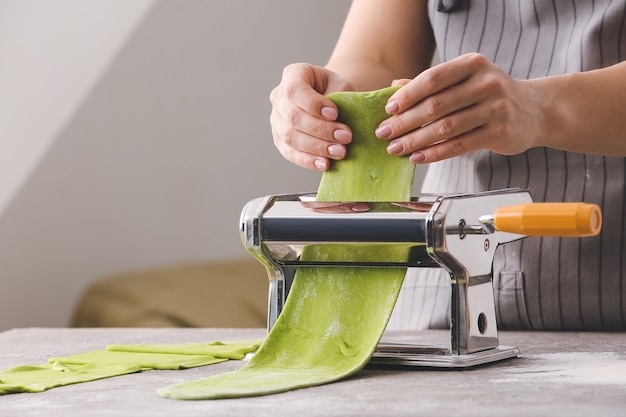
{"x":458,"y":233}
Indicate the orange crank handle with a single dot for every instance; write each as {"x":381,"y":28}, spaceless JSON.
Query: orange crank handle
{"x":549,"y":219}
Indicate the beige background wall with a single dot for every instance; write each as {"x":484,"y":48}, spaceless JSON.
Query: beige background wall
{"x":133,"y":132}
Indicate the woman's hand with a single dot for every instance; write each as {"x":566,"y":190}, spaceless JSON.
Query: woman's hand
{"x":461,"y":106}
{"x":303,"y":119}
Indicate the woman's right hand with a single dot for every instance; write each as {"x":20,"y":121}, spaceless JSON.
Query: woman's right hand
{"x":303,"y":119}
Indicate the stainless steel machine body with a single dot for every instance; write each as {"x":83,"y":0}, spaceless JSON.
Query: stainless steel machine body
{"x":443,"y":231}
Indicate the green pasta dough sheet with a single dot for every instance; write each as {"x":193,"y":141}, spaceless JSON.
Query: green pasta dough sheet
{"x":334,"y":317}
{"x":28,"y":378}
{"x":145,"y":361}
{"x":368,"y":172}
{"x":231,"y":350}
{"x":118,"y":360}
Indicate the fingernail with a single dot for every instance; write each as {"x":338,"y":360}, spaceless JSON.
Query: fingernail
{"x":360,"y":207}
{"x":383,"y":131}
{"x":342,"y":136}
{"x":337,"y":150}
{"x":392,"y":107}
{"x":321,"y":164}
{"x":417,"y":157}
{"x":395,"y":147}
{"x":329,"y":113}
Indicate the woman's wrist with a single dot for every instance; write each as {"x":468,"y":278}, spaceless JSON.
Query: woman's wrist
{"x":583,"y":112}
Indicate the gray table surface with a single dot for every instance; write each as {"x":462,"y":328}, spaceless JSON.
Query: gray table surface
{"x":557,"y":374}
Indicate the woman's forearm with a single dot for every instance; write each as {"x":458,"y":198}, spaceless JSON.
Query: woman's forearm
{"x":584,"y":112}
{"x":382,"y":41}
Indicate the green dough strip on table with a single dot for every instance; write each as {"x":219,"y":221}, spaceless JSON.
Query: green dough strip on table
{"x":334,"y":317}
{"x":145,"y":361}
{"x":28,"y":378}
{"x":230,"y":350}
{"x":119,"y":360}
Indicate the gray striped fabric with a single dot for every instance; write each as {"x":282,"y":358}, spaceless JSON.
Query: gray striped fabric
{"x":541,"y":283}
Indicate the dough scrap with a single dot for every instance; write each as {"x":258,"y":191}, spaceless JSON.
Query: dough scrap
{"x":118,"y":360}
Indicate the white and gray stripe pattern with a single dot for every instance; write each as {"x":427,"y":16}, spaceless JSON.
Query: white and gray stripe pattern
{"x":541,"y":283}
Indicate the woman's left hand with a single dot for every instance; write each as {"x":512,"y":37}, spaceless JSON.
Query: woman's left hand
{"x":460,"y":106}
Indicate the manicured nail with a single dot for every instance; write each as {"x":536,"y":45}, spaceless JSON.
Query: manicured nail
{"x":321,"y":164}
{"x":342,"y":136}
{"x":329,"y":113}
{"x":392,"y":107}
{"x":337,"y":150}
{"x":360,"y":207}
{"x":395,"y":147}
{"x":383,"y":131}
{"x":417,"y":157}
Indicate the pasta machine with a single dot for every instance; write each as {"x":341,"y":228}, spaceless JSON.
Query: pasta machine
{"x":458,"y":233}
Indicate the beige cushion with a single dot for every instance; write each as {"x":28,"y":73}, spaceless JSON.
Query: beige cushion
{"x":230,"y":293}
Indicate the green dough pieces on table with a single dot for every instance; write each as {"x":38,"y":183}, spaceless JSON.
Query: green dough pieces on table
{"x":28,"y":378}
{"x":334,"y":317}
{"x":230,"y":350}
{"x":119,"y":360}
{"x":145,"y":361}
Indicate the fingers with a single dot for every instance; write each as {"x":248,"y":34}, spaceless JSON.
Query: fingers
{"x":303,"y":119}
{"x":302,"y":136}
{"x":432,"y":139}
{"x":458,"y":107}
{"x":435,"y":80}
{"x":433,"y":108}
{"x":307,"y":140}
{"x":435,"y":93}
{"x":458,"y":145}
